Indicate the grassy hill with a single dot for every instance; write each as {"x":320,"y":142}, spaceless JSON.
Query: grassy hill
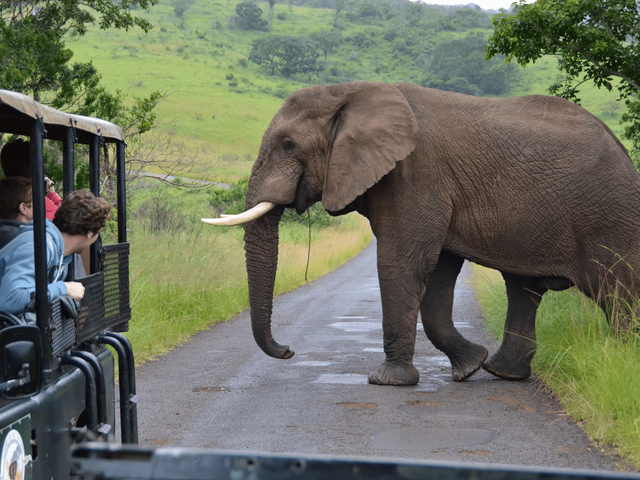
{"x":221,"y":103}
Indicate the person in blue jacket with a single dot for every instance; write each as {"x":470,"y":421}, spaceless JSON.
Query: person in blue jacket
{"x":76,"y":225}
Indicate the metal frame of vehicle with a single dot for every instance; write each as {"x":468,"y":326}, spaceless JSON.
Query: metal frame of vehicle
{"x":57,"y":378}
{"x":110,"y":462}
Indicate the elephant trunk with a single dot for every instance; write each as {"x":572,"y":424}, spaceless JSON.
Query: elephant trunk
{"x":261,"y":250}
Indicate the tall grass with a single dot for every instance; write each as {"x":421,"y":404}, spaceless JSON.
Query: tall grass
{"x":595,"y":373}
{"x":182,"y":283}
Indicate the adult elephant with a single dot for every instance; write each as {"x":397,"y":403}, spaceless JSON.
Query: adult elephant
{"x":535,"y":187}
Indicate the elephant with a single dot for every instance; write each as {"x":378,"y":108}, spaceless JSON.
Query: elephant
{"x":534,"y":186}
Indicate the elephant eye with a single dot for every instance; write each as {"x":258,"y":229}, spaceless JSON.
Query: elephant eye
{"x":287,"y":146}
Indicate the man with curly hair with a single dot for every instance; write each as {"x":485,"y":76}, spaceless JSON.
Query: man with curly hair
{"x":76,"y":225}
{"x":16,"y":207}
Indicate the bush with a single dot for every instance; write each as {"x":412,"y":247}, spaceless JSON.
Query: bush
{"x":250,"y":17}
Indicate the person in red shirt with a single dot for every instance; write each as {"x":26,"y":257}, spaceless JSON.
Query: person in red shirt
{"x":15,"y":159}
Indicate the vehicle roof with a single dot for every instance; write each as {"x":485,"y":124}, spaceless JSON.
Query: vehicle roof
{"x":17,"y":112}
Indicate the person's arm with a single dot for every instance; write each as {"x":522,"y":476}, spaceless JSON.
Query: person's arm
{"x":51,"y":193}
{"x":19,"y":281}
{"x":49,"y":209}
{"x":54,"y":198}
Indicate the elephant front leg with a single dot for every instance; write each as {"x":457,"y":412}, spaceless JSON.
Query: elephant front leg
{"x":513,"y":358}
{"x":437,"y":305}
{"x":401,"y":294}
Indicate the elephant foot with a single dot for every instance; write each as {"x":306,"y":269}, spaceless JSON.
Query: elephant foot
{"x":390,"y":374}
{"x":467,"y":363}
{"x":508,"y":368}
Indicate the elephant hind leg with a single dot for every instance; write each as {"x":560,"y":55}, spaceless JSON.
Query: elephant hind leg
{"x":436,"y":309}
{"x":513,"y":358}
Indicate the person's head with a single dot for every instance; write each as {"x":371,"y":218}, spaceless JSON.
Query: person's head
{"x":15,"y":159}
{"x":16,"y":202}
{"x":82,"y":214}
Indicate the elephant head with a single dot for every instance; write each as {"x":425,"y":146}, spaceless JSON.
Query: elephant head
{"x":328,"y":144}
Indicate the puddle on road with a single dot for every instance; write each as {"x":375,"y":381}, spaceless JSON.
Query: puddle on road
{"x":357,"y":326}
{"x":343,"y":379}
{"x":374,"y":349}
{"x":439,"y":361}
{"x":210,"y":389}
{"x":312,"y":363}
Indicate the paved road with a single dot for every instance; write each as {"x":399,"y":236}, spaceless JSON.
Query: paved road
{"x":220,"y":391}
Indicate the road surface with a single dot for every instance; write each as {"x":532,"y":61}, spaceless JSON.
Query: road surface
{"x":219,"y":390}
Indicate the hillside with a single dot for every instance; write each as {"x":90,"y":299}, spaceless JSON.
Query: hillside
{"x":220,"y":102}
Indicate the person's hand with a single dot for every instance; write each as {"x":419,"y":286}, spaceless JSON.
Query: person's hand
{"x":50,"y":187}
{"x":75,"y":290}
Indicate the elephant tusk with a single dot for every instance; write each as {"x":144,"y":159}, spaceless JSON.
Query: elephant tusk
{"x":244,"y":217}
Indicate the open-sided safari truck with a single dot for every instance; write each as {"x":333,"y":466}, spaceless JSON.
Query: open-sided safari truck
{"x":57,"y":378}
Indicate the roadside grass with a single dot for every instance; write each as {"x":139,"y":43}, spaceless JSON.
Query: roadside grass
{"x":594,"y":373}
{"x":182,"y":283}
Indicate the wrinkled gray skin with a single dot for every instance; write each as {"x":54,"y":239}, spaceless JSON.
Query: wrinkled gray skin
{"x":535,"y":187}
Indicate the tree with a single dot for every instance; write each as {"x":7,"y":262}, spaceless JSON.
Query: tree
{"x":328,"y":41}
{"x":594,"y":41}
{"x":180,"y":7}
{"x":250,"y":17}
{"x":34,"y":59}
{"x":286,"y":54}
{"x":272,"y":4}
{"x":340,"y":6}
{"x":460,"y":66}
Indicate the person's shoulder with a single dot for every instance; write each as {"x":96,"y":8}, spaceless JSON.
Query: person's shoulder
{"x":9,"y":229}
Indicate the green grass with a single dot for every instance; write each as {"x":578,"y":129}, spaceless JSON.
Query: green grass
{"x":182,"y":283}
{"x":594,"y":372}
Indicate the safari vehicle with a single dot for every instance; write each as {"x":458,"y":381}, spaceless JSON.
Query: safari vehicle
{"x":57,"y":378}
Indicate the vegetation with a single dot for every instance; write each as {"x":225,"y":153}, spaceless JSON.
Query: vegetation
{"x":250,"y":17}
{"x":591,"y":370}
{"x":460,"y":66}
{"x":286,"y":54}
{"x":34,"y":55}
{"x":595,"y":41}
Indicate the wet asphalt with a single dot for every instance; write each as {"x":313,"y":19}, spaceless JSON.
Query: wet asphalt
{"x":220,"y":391}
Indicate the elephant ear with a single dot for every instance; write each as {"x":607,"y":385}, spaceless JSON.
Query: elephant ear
{"x":373,"y":128}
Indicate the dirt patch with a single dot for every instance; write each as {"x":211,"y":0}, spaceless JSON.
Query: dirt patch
{"x":513,"y":401}
{"x":211,"y":389}
{"x":160,"y":442}
{"x":357,"y":405}
{"x":476,"y":452}
{"x":426,"y":403}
